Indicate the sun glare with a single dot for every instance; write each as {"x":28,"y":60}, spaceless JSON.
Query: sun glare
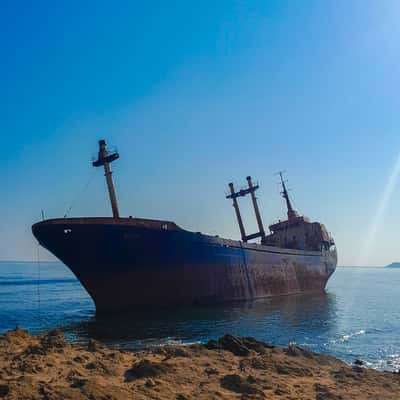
{"x":376,"y":222}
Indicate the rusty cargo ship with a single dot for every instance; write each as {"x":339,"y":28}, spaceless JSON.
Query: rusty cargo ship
{"x":125,"y":263}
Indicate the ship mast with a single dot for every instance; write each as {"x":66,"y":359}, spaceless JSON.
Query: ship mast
{"x":241,"y":193}
{"x":291,"y":213}
{"x":252,"y":190}
{"x":105,"y":159}
{"x":237,"y":211}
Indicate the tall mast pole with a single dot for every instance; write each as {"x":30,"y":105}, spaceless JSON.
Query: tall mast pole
{"x":237,"y":212}
{"x":255,"y":205}
{"x":105,"y":159}
{"x":111,"y":190}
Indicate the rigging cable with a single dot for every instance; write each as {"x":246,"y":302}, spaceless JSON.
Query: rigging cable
{"x":73,"y":202}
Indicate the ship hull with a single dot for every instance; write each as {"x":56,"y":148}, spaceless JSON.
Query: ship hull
{"x":129,"y":263}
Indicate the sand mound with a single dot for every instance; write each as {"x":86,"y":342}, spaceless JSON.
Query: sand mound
{"x":46,"y":367}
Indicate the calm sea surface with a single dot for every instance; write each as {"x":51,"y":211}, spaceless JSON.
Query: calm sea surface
{"x":358,"y":317}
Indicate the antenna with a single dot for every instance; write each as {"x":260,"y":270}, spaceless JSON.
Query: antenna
{"x":291,"y":213}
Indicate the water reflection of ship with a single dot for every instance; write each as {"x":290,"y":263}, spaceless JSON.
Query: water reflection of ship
{"x":278,"y":320}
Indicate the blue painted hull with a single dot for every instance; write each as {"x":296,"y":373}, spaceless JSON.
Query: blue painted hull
{"x":127,"y":263}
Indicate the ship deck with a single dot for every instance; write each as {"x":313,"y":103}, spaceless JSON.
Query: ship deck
{"x":172,"y":226}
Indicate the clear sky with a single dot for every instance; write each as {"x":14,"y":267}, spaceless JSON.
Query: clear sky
{"x":194,"y":95}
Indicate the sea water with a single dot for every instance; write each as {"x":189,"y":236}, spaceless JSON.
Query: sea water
{"x":357,"y":318}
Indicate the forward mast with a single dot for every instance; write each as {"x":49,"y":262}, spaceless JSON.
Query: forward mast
{"x":105,"y":158}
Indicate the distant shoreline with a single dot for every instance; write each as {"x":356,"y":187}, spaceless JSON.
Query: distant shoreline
{"x":393,"y":265}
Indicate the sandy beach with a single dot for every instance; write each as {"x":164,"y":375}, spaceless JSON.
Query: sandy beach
{"x":46,"y":367}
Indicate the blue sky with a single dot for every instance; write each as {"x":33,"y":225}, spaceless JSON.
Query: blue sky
{"x":194,"y":95}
